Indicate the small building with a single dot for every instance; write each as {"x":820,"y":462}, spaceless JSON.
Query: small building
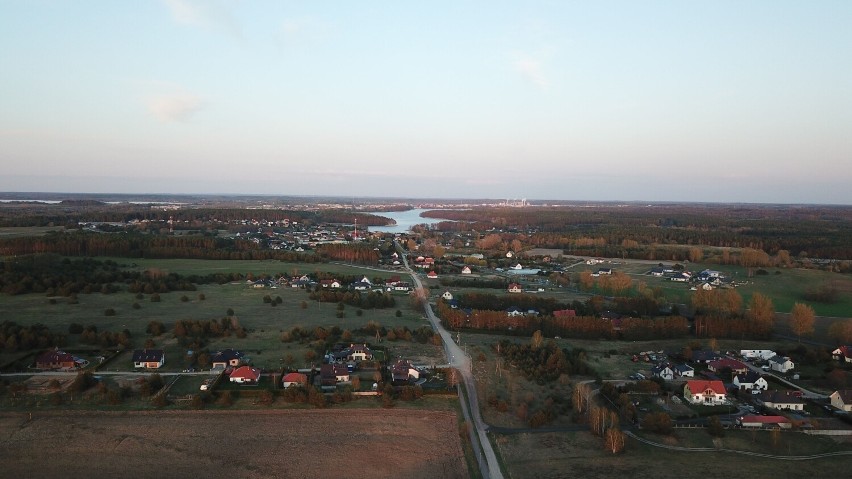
{"x":708,"y":393}
{"x":331,"y":374}
{"x":432,"y":274}
{"x":448,"y":296}
{"x":149,"y":358}
{"x":294,"y":379}
{"x":663,"y":371}
{"x":245,"y":375}
{"x":842,"y":399}
{"x":761,"y":422}
{"x":515,"y":288}
{"x":466,"y":270}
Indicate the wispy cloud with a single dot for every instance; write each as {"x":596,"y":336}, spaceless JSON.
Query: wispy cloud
{"x":211,"y":14}
{"x":175,"y":107}
{"x":530,"y":68}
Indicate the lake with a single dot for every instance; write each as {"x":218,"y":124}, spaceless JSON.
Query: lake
{"x":404,"y":220}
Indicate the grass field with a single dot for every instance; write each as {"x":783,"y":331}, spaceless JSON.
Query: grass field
{"x":579,"y":454}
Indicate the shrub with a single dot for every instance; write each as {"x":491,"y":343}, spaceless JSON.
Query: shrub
{"x":136,"y":306}
{"x":184,"y":299}
{"x":109,"y":312}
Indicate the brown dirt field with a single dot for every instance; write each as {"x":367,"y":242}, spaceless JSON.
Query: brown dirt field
{"x":386,"y":443}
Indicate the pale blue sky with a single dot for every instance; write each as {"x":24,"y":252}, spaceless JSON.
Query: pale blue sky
{"x":607,"y":100}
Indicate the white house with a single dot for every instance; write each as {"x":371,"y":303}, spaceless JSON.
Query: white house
{"x":782,"y":364}
{"x":781,"y":400}
{"x":515,"y":288}
{"x":663,"y":371}
{"x":842,"y":399}
{"x":684,"y":370}
{"x":750,"y":381}
{"x":448,"y":296}
{"x":149,"y":358}
{"x":466,"y":270}
{"x":709,"y":393}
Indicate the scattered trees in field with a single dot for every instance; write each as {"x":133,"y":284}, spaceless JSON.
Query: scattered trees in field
{"x":802,"y":319}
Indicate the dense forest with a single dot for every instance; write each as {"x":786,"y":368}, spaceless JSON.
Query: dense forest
{"x":634,"y":231}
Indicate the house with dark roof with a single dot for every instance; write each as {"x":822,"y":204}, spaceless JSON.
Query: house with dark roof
{"x":703,"y":356}
{"x":331,"y":374}
{"x":226,"y":358}
{"x":55,"y":359}
{"x":781,"y":400}
{"x":708,"y":393}
{"x":149,"y":358}
{"x":736,"y":367}
{"x":402,"y":372}
{"x":663,"y":371}
{"x":684,"y":370}
{"x":842,"y":399}
{"x":782,"y":364}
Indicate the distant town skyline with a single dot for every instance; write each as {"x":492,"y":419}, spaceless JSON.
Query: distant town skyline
{"x":581,"y":101}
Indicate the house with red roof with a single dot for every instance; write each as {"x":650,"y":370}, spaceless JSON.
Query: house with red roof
{"x":245,"y":375}
{"x":564,"y":313}
{"x":294,"y":379}
{"x":842,"y":354}
{"x":515,"y":288}
{"x":55,"y":359}
{"x":432,"y":274}
{"x":708,"y":393}
{"x":760,"y":422}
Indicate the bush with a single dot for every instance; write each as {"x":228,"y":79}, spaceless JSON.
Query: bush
{"x":657,"y":422}
{"x":201,"y":297}
{"x":155,"y":298}
{"x":75,"y":328}
{"x":398,"y":313}
{"x":184,"y":299}
{"x":136,"y":306}
{"x":109,"y":312}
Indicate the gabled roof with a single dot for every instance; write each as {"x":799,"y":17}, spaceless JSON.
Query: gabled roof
{"x":148,"y":355}
{"x":780,"y":397}
{"x":749,"y":377}
{"x":246,"y":372}
{"x":733,"y":364}
{"x":682,"y":368}
{"x":779,"y":359}
{"x":699,"y":386}
{"x":226,"y":355}
{"x":295,"y":378}
{"x":845,"y":395}
{"x":54,"y":357}
{"x":764,"y":419}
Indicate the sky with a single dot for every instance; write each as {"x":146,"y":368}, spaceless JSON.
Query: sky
{"x":723,"y":101}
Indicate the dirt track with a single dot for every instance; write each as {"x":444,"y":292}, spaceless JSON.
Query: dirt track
{"x":375,"y":443}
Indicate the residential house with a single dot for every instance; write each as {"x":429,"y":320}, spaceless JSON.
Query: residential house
{"x":331,"y":374}
{"x":448,"y":296}
{"x":781,"y":400}
{"x":515,"y":288}
{"x":842,"y":354}
{"x":703,"y":356}
{"x":149,"y":358}
{"x":330,"y":283}
{"x":432,"y":274}
{"x":759,"y":422}
{"x":656,"y":271}
{"x":684,"y":370}
{"x":245,"y":375}
{"x":359,"y":352}
{"x":55,"y":359}
{"x":226,"y":358}
{"x":509,"y":254}
{"x":514,"y":311}
{"x":604,"y":271}
{"x":294,"y":379}
{"x":518,"y":266}
{"x":402,"y":371}
{"x":680,"y":277}
{"x":736,"y":367}
{"x":402,"y":286}
{"x":361,"y":286}
{"x":750,"y":381}
{"x":663,"y":371}
{"x":709,"y":393}
{"x":466,"y":270}
{"x":842,"y":399}
{"x":782,"y":364}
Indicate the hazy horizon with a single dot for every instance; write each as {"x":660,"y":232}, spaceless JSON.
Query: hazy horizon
{"x":659,"y":101}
